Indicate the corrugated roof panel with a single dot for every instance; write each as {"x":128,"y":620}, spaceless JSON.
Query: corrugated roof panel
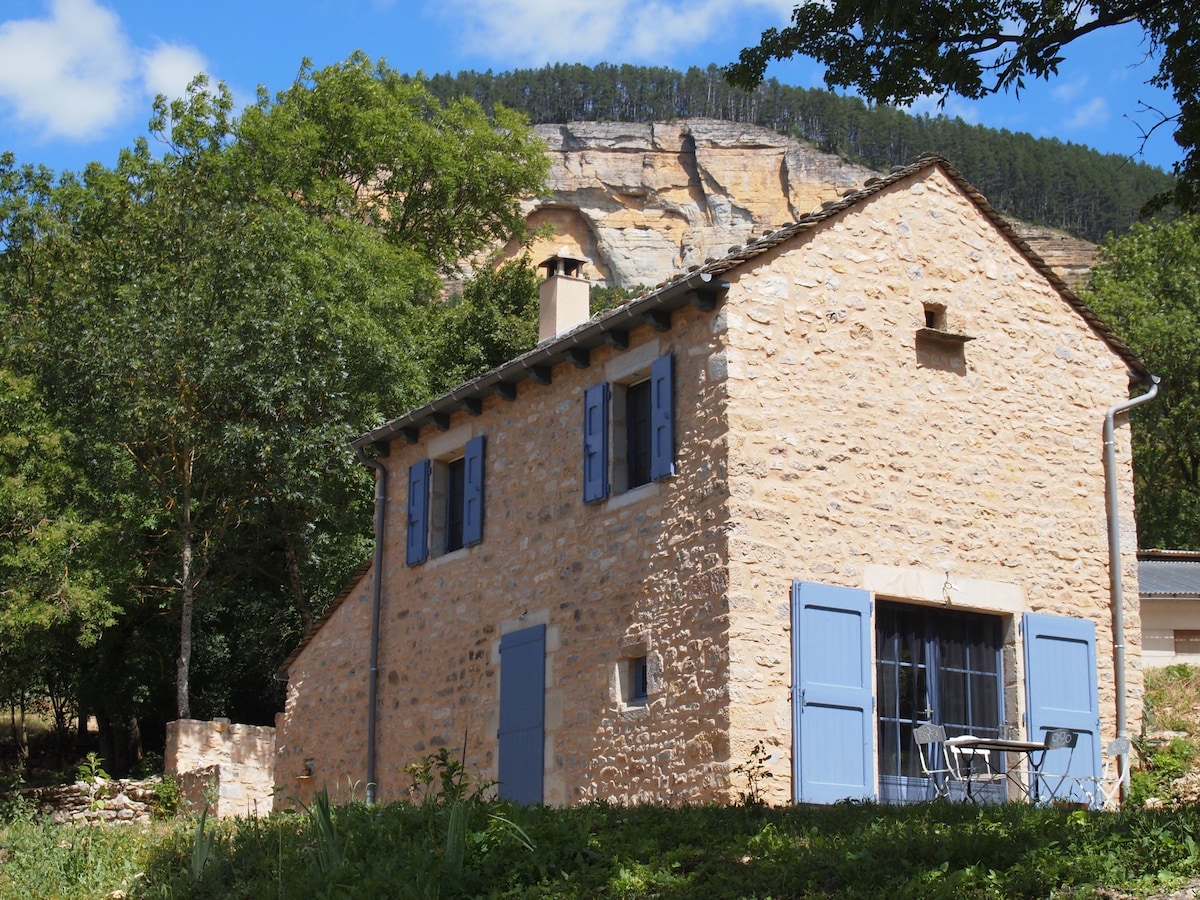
{"x":1162,"y":576}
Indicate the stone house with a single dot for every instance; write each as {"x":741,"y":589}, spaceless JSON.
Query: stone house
{"x":846,"y":479}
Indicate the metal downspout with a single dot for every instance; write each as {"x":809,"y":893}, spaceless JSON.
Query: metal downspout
{"x":376,"y":603}
{"x":1116,"y":591}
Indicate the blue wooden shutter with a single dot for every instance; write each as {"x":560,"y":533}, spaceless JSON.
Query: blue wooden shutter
{"x":418,"y":512}
{"x":522,"y":714}
{"x":473,"y":491}
{"x":1061,"y":692}
{"x":832,"y":709}
{"x":595,"y":443}
{"x":662,"y":420}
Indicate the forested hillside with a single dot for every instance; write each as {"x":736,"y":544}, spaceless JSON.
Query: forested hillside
{"x":1045,"y":182}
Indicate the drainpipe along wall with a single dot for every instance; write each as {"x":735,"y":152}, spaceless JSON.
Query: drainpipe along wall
{"x":376,"y":603}
{"x":1114,"y":548}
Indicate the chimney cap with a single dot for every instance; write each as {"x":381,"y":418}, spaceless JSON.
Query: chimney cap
{"x":564,"y":255}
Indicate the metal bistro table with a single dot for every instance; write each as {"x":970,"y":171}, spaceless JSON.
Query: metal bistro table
{"x":970,"y":749}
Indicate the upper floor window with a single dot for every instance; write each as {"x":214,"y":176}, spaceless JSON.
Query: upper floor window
{"x":628,"y":431}
{"x":637,"y":434}
{"x":445,"y":503}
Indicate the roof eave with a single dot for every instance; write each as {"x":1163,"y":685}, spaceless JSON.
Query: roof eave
{"x":700,"y":288}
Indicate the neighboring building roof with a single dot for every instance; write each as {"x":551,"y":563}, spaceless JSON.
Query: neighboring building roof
{"x":1169,"y":573}
{"x":702,"y":286}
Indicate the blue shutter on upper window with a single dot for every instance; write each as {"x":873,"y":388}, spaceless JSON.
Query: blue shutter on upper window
{"x":595,"y":443}
{"x":418,"y":512}
{"x":473,"y":492}
{"x":662,"y":420}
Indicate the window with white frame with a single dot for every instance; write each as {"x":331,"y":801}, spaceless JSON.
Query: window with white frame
{"x":628,"y":431}
{"x":445,"y":503}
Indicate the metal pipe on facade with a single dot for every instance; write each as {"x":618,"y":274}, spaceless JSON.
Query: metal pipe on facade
{"x":376,"y":605}
{"x":1116,"y":592}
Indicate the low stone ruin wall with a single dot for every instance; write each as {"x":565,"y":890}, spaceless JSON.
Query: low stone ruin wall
{"x":105,"y":802}
{"x":230,"y":768}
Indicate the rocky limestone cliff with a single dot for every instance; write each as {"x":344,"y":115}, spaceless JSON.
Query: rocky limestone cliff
{"x":645,"y":202}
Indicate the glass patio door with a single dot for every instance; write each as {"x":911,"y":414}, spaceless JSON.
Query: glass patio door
{"x":932,"y":665}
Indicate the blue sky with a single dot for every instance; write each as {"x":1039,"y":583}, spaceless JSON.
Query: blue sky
{"x":77,"y":76}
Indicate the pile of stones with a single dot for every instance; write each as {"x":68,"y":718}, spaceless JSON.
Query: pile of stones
{"x":100,"y":801}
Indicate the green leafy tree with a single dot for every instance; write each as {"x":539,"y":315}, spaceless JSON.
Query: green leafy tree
{"x":1147,"y":286}
{"x":218,"y":322}
{"x":493,"y":320}
{"x":361,"y":141}
{"x":52,"y":582}
{"x":894,"y":51}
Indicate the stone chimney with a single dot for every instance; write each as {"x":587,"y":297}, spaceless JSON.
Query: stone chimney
{"x":564,"y":295}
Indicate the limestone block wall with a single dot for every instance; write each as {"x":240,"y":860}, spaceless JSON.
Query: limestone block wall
{"x":820,"y":435}
{"x":864,"y":455}
{"x":231,"y":765}
{"x":321,"y":735}
{"x":641,"y":574}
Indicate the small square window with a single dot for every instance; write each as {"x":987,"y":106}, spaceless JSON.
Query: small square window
{"x":935,"y":317}
{"x":633,"y":674}
{"x":641,"y":681}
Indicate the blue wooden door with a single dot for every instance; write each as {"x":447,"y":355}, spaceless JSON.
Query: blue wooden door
{"x":1061,"y":692}
{"x":522,"y":714}
{"x":832,"y":709}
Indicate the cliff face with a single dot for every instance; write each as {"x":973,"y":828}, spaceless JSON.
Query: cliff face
{"x":644,"y":202}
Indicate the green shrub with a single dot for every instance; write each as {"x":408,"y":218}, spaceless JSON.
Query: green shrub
{"x":1161,"y":766}
{"x":168,"y":798}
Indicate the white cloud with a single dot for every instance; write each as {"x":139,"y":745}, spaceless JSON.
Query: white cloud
{"x":1067,"y":89}
{"x":536,"y":32}
{"x":169,"y":68}
{"x":1088,"y":115}
{"x":75,"y":74}
{"x":67,"y":75}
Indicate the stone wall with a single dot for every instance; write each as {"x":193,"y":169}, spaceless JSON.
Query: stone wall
{"x":860,"y":456}
{"x":642,"y":573}
{"x":229,"y":767}
{"x":321,"y":736}
{"x":102,"y":801}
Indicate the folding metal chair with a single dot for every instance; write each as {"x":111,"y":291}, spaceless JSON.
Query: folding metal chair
{"x":1056,"y":739}
{"x":973,"y":766}
{"x":926,"y":737}
{"x":1115,"y":773}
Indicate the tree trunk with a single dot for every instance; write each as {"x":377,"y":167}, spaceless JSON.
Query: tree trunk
{"x":184,"y":663}
{"x":20,"y":734}
{"x":293,"y":568}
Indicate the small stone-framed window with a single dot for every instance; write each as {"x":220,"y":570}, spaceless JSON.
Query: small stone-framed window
{"x":633,"y":678}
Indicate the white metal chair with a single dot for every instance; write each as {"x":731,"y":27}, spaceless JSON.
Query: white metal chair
{"x":1107,"y":790}
{"x":926,"y":737}
{"x":973,"y":766}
